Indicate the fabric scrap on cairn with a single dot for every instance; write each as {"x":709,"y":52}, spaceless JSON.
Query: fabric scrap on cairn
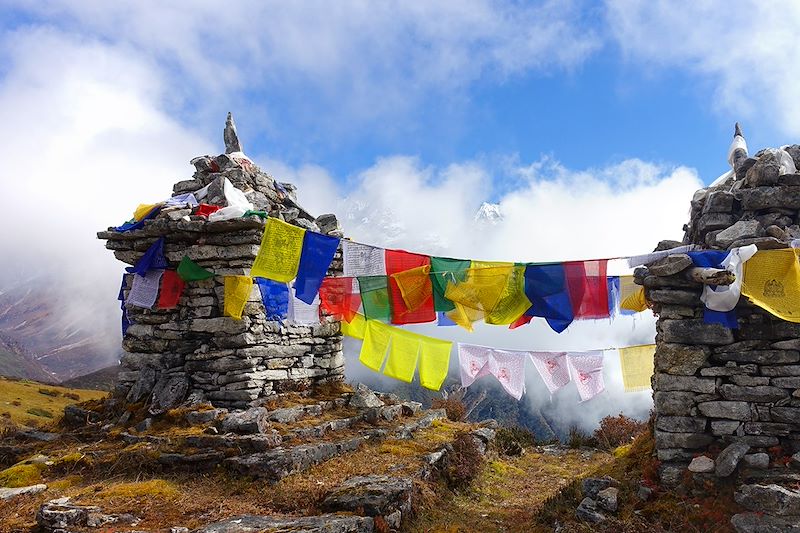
{"x":772,"y":282}
{"x":144,"y":289}
{"x":237,"y":292}
{"x":153,"y":258}
{"x":188,"y":270}
{"x":171,"y":290}
{"x":275,"y":298}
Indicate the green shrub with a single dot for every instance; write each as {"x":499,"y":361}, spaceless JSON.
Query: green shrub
{"x":49,"y":392}
{"x":512,"y":440}
{"x":580,"y":439}
{"x":38,"y":411}
{"x":455,"y":409}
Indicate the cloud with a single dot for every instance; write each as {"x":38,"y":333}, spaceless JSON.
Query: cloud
{"x":747,"y":51}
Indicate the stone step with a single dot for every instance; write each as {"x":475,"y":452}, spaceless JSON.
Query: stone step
{"x":241,"y":443}
{"x":329,"y":523}
{"x":386,"y":496}
{"x":386,"y":413}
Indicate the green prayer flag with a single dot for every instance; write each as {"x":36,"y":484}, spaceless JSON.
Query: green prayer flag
{"x":188,"y":270}
{"x":261,"y":214}
{"x":375,"y":297}
{"x":444,"y":271}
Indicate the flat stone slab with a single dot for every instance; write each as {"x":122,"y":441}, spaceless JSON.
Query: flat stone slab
{"x":375,"y":495}
{"x":7,"y":494}
{"x":284,"y":524}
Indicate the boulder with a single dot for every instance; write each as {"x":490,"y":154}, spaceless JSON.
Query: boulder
{"x":608,"y":499}
{"x":728,"y":459}
{"x":8,"y":494}
{"x":248,"y":422}
{"x":371,"y":495}
{"x":143,"y":386}
{"x":587,"y":511}
{"x":364,"y":398}
{"x":701,"y":465}
{"x":168,"y":393}
{"x":592,"y":485}
{"x":743,"y":229}
{"x":770,"y":499}
{"x":761,"y":523}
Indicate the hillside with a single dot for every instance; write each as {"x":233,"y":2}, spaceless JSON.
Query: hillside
{"x":102,"y":380}
{"x":15,"y":365}
{"x":37,"y":404}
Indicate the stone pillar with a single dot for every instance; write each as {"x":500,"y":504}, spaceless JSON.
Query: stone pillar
{"x":195,"y":350}
{"x":715,"y":386}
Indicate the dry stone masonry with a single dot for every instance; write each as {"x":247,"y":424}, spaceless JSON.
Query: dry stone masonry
{"x":193,"y":350}
{"x":731,"y":396}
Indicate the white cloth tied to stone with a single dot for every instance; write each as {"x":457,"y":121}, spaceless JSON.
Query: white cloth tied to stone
{"x":552,"y":366}
{"x":508,"y":367}
{"x":586,"y":369}
{"x":144,"y":289}
{"x":724,"y":298}
{"x":646,"y":259}
{"x":362,"y":259}
{"x":181,"y":200}
{"x":238,"y":204}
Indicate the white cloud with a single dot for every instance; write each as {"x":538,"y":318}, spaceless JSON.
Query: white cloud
{"x":747,"y":51}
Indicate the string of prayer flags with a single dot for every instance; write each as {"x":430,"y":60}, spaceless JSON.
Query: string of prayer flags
{"x":279,"y":256}
{"x":315,"y":258}
{"x":340,"y":298}
{"x":143,"y":210}
{"x":546,"y":288}
{"x":275,"y":297}
{"x":586,"y":369}
{"x":398,"y":261}
{"x":153,"y":258}
{"x":403,"y":351}
{"x":772,"y":282}
{"x":144,"y":289}
{"x":443,"y":272}
{"x":479,"y":293}
{"x":237,"y":292}
{"x":415,"y":286}
{"x":362,"y":260}
{"x":301,"y":313}
{"x":552,"y":367}
{"x":171,"y":290}
{"x":375,"y":297}
{"x":507,"y":366}
{"x":375,"y":345}
{"x":588,"y":288}
{"x":204,"y":210}
{"x":637,"y":364}
{"x":188,"y":270}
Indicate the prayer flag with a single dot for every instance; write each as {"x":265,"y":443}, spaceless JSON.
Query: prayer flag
{"x":279,"y":256}
{"x":137,"y":224}
{"x":512,"y":302}
{"x":772,"y":282}
{"x":144,"y":290}
{"x":356,"y":328}
{"x":121,"y":297}
{"x":171,"y":289}
{"x":552,"y":367}
{"x":637,"y":367}
{"x":237,"y":292}
{"x":275,"y":297}
{"x":203,"y":210}
{"x":143,"y":210}
{"x":546,"y":288}
{"x":521,"y":321}
{"x":631,"y":296}
{"x":588,"y":288}
{"x":339,"y":298}
{"x":415,"y":286}
{"x":714,"y":259}
{"x":315,"y":259}
{"x":188,"y":270}
{"x":444,"y":271}
{"x":434,"y":362}
{"x":301,"y":313}
{"x":400,"y":261}
{"x":403,"y":350}
{"x":479,"y":294}
{"x":182,"y":200}
{"x":263,"y":215}
{"x":586,"y":369}
{"x":362,"y":260}
{"x":375,"y":345}
{"x":443,"y":320}
{"x":375,"y":297}
{"x":153,"y":258}
{"x":508,"y":367}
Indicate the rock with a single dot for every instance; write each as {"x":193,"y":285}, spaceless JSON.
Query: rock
{"x":144,"y":425}
{"x":143,"y":386}
{"x":667,"y":382}
{"x":364,"y":398}
{"x":770,"y":499}
{"x":721,"y":409}
{"x":248,"y":422}
{"x":768,"y":357}
{"x":483,"y":437}
{"x":761,"y":523}
{"x":701,"y":465}
{"x":757,"y":460}
{"x":682,"y":440}
{"x":8,"y":494}
{"x":279,"y":524}
{"x":673,"y":403}
{"x":744,"y":229}
{"x":670,"y":265}
{"x":728,"y":459}
{"x":587,"y":511}
{"x":592,"y":486}
{"x":759,"y":198}
{"x":230,"y":136}
{"x":694,"y":331}
{"x":197,"y":418}
{"x":328,"y":223}
{"x":719,"y":202}
{"x":371,"y":495}
{"x":680,"y":359}
{"x":60,"y":514}
{"x":644,"y":493}
{"x":765,"y":171}
{"x":168,"y":393}
{"x":760,"y":394}
{"x":75,"y":416}
{"x":607,"y":499}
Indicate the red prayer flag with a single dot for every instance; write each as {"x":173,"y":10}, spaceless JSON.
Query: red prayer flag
{"x":588,"y":288}
{"x":171,"y":290}
{"x":521,"y":321}
{"x":204,"y":210}
{"x":339,"y":298}
{"x":400,"y":261}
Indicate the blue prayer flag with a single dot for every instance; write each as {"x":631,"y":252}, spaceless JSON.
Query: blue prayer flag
{"x":546,"y":288}
{"x":275,"y":297}
{"x":121,"y":297}
{"x":132,"y":224}
{"x":315,"y":259}
{"x":153,"y":258}
{"x":714,"y":259}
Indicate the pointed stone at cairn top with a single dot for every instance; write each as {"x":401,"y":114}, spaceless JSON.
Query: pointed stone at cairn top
{"x":737,"y":130}
{"x":232,"y":143}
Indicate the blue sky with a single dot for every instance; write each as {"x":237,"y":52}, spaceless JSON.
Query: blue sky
{"x":589,"y":124}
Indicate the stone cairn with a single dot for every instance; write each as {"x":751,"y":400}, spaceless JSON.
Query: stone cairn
{"x":193,"y":350}
{"x":728,"y":400}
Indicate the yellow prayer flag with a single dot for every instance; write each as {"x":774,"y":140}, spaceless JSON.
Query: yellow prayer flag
{"x":356,"y":328}
{"x":434,"y":362}
{"x":279,"y":255}
{"x":631,"y":295}
{"x":513,"y":302}
{"x":637,"y":366}
{"x":376,"y":342}
{"x":772,"y":282}
{"x":403,"y":350}
{"x":237,"y":292}
{"x":143,"y":210}
{"x":415,"y":286}
{"x":479,"y":293}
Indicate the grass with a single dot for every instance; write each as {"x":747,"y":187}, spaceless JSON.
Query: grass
{"x":26,"y":404}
